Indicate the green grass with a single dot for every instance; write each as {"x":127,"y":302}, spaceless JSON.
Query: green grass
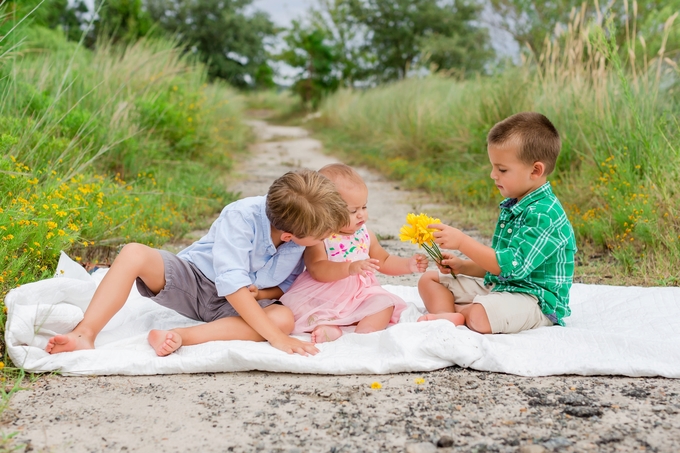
{"x":617,"y":173}
{"x":100,"y":148}
{"x":275,"y":105}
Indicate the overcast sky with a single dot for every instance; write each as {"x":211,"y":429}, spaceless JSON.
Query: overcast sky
{"x":282,"y":12}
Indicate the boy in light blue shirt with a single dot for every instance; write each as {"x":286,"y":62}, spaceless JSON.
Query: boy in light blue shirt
{"x":231,"y":277}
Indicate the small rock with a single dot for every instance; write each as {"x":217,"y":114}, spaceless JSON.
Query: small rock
{"x":540,"y":402}
{"x":609,"y":438}
{"x":583,"y":411}
{"x":444,"y":442}
{"x":533,"y":392}
{"x":421,"y":447}
{"x":557,"y":443}
{"x":575,"y":399}
{"x":635,"y":393}
{"x":531,"y":449}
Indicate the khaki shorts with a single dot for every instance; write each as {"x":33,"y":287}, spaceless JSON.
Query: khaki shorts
{"x":507,"y":312}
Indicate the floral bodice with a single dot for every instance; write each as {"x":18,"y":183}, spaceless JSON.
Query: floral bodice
{"x":353,"y":247}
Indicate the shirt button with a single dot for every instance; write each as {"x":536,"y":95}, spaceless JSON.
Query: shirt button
{"x":514,"y":263}
{"x":502,"y":225}
{"x":509,"y":230}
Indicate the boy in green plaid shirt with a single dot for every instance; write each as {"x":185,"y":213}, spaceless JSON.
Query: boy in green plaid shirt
{"x":522,"y":281}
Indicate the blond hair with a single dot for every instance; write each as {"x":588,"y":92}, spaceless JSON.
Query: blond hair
{"x":339,"y":171}
{"x":305,"y":204}
{"x":536,"y":136}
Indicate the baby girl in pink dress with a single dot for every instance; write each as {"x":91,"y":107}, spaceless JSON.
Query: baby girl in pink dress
{"x":339,"y":287}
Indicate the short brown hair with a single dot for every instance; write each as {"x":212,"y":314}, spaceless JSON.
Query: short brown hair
{"x":338,"y":170}
{"x":538,"y":139}
{"x":305,"y":204}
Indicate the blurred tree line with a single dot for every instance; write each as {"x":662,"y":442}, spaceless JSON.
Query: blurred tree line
{"x":348,"y":42}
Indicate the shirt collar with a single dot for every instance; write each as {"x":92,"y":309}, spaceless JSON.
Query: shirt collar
{"x":518,"y":206}
{"x":266,"y":227}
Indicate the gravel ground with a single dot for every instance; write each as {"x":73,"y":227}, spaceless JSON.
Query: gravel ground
{"x":449,"y":410}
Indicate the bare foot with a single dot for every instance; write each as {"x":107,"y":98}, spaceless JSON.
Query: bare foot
{"x":456,"y":318}
{"x":70,"y":342}
{"x":164,"y":342}
{"x":322,"y":334}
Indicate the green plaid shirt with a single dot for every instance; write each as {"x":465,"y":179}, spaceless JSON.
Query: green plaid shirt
{"x":535,"y":248}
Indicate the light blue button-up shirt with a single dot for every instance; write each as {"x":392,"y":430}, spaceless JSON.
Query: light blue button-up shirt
{"x":238,"y":250}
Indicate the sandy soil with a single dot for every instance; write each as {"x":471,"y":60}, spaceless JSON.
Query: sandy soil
{"x":447,"y":410}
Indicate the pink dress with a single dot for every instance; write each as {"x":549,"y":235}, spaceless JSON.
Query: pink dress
{"x":343,"y":302}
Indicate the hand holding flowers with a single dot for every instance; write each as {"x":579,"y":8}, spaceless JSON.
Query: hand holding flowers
{"x":421,"y":229}
{"x":451,"y":263}
{"x":448,"y":237}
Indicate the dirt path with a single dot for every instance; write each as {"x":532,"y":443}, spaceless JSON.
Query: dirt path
{"x":459,"y":409}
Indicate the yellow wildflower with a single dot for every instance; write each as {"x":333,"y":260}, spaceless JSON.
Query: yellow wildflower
{"x":376,"y":385}
{"x":416,"y":231}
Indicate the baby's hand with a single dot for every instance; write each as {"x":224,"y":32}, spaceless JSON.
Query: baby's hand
{"x":254,"y":291}
{"x":447,"y":237}
{"x":362,"y":266}
{"x":417,"y":263}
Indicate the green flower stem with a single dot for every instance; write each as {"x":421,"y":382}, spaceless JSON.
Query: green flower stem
{"x":436,"y":255}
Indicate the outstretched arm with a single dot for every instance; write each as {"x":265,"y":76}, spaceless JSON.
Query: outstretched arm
{"x":395,"y":265}
{"x":251,"y":312}
{"x":323,"y":270}
{"x":454,"y":239}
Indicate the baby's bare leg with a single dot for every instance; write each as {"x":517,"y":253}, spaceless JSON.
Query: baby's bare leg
{"x":436,"y":297}
{"x":135,"y":260}
{"x":235,"y":328}
{"x":323,"y":334}
{"x":375,"y":322}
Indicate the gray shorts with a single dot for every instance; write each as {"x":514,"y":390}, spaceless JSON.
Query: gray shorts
{"x":189,"y":292}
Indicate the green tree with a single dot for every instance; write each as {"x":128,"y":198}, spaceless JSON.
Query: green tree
{"x":46,"y":13}
{"x":311,"y":54}
{"x":404,"y":33}
{"x":122,"y":20}
{"x":346,"y":36}
{"x":231,"y":42}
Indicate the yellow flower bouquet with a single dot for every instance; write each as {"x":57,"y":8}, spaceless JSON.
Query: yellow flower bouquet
{"x":417,"y":232}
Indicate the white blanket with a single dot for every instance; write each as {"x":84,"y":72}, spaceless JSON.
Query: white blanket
{"x":613,"y":330}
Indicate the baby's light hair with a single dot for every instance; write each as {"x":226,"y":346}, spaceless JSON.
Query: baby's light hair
{"x":338,"y":171}
{"x":306,"y":204}
{"x":538,"y":139}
